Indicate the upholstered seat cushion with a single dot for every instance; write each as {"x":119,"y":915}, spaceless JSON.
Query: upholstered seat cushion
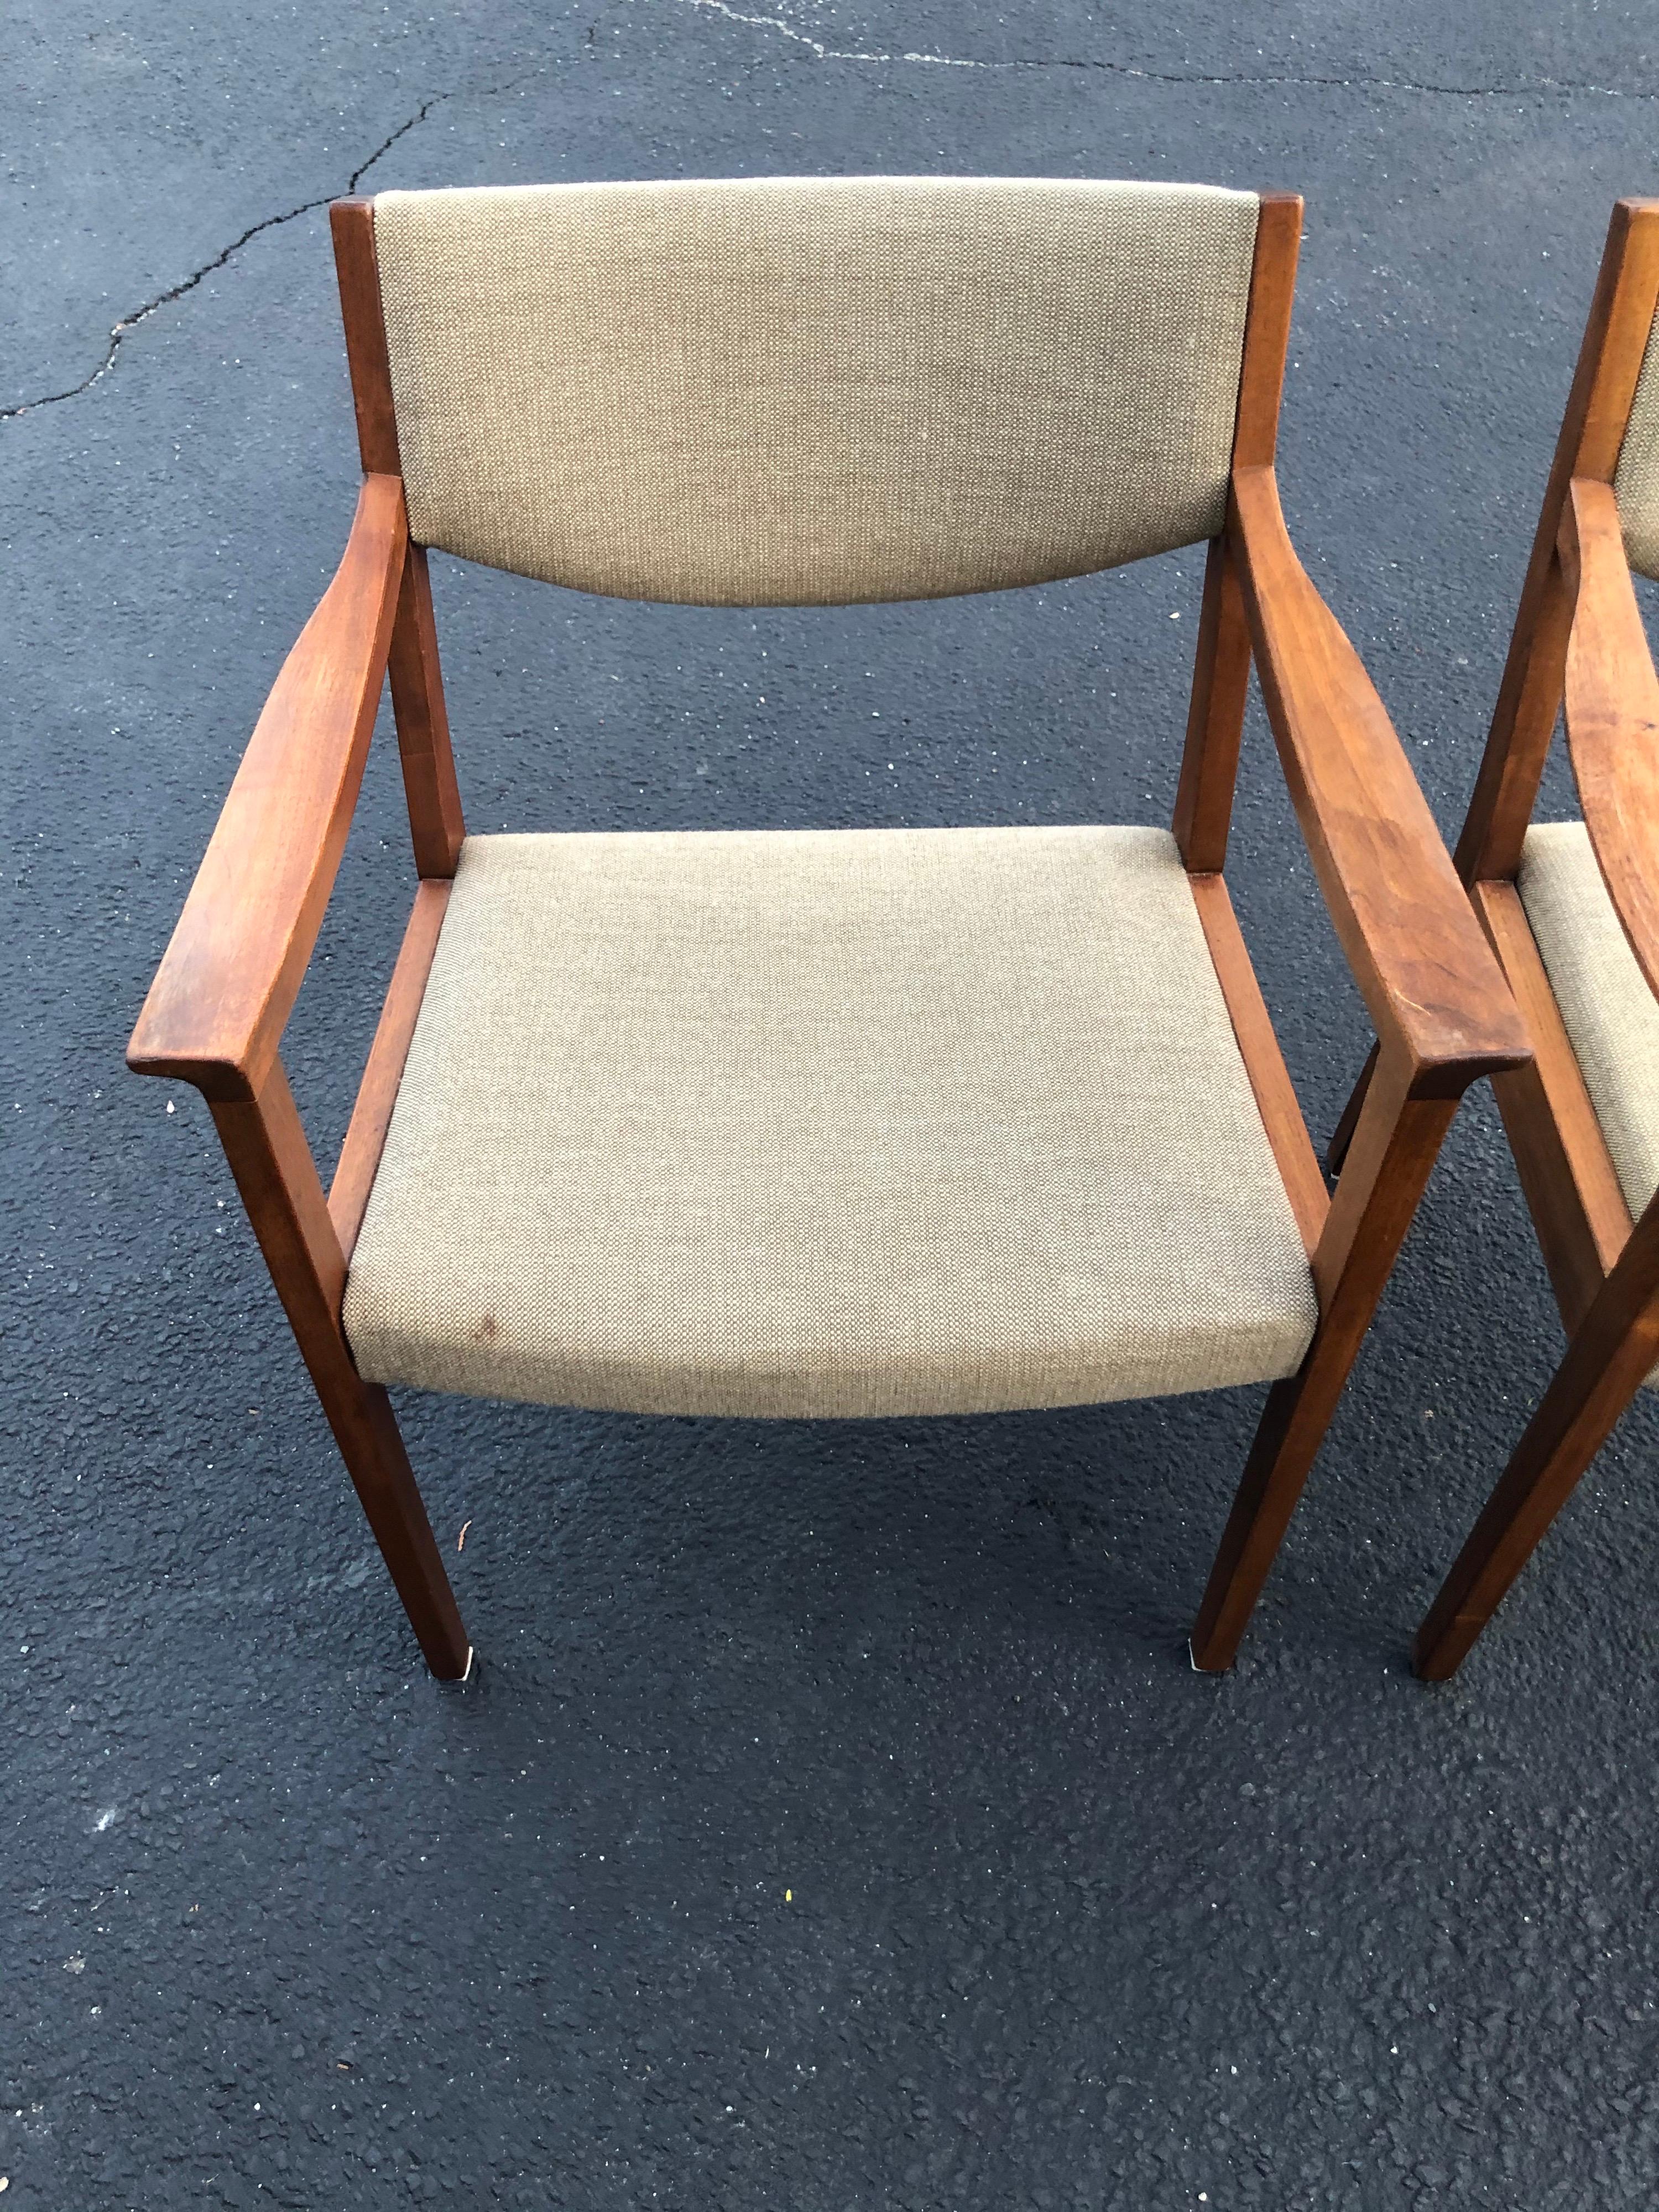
{"x":1610,"y":1015}
{"x":826,"y":1122}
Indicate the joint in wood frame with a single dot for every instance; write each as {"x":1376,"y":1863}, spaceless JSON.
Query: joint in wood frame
{"x":1395,"y":1141}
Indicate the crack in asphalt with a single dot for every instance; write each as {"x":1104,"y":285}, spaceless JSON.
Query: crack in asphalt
{"x":129,"y":323}
{"x":1541,"y":89}
{"x":852,"y":54}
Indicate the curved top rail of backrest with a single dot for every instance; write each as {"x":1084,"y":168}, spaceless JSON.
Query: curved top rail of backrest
{"x":796,"y":391}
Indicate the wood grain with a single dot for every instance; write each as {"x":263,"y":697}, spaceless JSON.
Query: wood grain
{"x":377,"y":1094}
{"x":417,"y":702}
{"x":1417,"y":952}
{"x":417,"y":691}
{"x":228,"y":982}
{"x":1221,"y":663}
{"x":1215,"y":719}
{"x":1592,"y":432}
{"x":352,"y":222}
{"x":1267,"y":329}
{"x":1270,"y":1080}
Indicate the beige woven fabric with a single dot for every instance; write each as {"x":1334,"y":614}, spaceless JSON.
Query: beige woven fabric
{"x":826,"y":1123}
{"x":804,"y":391}
{"x":1635,"y":480}
{"x":1611,"y":1016}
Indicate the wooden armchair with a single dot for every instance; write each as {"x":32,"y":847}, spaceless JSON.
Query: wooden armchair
{"x":838,"y":1122}
{"x":1572,"y":912}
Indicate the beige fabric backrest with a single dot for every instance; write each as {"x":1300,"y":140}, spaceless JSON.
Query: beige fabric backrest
{"x":1635,"y":480}
{"x":792,"y":391}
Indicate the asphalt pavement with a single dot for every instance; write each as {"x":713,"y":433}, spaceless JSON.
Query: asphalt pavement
{"x":834,"y":1823}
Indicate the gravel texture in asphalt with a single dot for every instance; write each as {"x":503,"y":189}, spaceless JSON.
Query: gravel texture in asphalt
{"x":835,"y":1821}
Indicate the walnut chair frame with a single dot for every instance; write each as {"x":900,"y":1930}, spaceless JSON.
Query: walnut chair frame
{"x":1578,"y":644}
{"x":215,"y":1013}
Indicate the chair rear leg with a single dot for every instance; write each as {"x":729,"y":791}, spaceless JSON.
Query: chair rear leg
{"x":1578,"y":1414}
{"x":1612,"y":1353}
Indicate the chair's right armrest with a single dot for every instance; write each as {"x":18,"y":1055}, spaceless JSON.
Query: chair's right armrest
{"x":227,"y":984}
{"x":1417,"y":954}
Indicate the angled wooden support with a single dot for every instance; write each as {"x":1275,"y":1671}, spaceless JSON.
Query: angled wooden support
{"x":1612,"y":1353}
{"x":1264,"y":1063}
{"x":377,"y":1094}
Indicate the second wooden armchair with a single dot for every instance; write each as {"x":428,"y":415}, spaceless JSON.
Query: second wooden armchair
{"x":835,"y":1122}
{"x":1572,"y":909}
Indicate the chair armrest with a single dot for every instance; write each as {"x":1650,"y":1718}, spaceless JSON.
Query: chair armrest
{"x":1613,"y":714}
{"x":228,"y":979}
{"x":1417,"y":954}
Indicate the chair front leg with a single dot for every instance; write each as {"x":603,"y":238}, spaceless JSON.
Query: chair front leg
{"x":1612,"y":1351}
{"x":1395,"y":1141}
{"x":266,"y":1147}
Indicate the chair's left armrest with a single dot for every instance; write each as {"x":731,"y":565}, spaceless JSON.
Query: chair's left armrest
{"x":1613,"y":714}
{"x":228,"y":979}
{"x":1418,"y":953}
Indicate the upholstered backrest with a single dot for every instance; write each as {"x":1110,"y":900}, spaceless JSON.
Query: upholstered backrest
{"x":1635,"y":480}
{"x":795,"y":390}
